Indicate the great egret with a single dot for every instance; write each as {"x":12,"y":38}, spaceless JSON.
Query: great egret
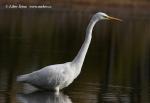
{"x":59,"y":76}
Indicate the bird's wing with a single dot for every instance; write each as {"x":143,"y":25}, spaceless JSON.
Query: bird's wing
{"x":48,"y":77}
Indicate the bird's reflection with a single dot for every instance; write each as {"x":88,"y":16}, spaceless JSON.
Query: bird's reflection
{"x":43,"y":97}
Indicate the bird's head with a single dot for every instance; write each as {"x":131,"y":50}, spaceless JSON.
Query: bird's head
{"x":103,"y":16}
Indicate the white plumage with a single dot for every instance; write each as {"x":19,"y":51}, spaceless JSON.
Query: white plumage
{"x":50,"y":77}
{"x":59,"y":76}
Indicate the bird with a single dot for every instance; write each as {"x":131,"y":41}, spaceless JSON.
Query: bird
{"x":58,"y":76}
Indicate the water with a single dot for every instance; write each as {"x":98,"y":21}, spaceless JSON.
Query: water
{"x":116,"y":68}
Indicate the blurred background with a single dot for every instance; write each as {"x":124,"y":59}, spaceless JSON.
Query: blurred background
{"x":116,"y":68}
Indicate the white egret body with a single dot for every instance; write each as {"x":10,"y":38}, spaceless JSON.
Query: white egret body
{"x":59,"y":76}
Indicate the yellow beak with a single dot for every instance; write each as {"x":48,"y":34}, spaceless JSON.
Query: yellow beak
{"x":113,"y":18}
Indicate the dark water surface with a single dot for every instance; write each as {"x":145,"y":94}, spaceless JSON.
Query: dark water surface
{"x":116,"y":68}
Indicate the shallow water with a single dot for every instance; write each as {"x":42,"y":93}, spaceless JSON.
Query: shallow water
{"x":116,"y":68}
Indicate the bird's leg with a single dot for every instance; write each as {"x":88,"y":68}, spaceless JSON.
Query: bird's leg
{"x":57,"y":90}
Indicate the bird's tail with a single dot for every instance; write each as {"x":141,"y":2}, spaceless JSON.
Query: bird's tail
{"x":21,"y":78}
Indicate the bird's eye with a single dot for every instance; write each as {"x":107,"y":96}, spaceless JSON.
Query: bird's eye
{"x":105,"y":16}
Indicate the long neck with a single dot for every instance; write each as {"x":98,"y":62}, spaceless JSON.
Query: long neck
{"x":79,"y":59}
